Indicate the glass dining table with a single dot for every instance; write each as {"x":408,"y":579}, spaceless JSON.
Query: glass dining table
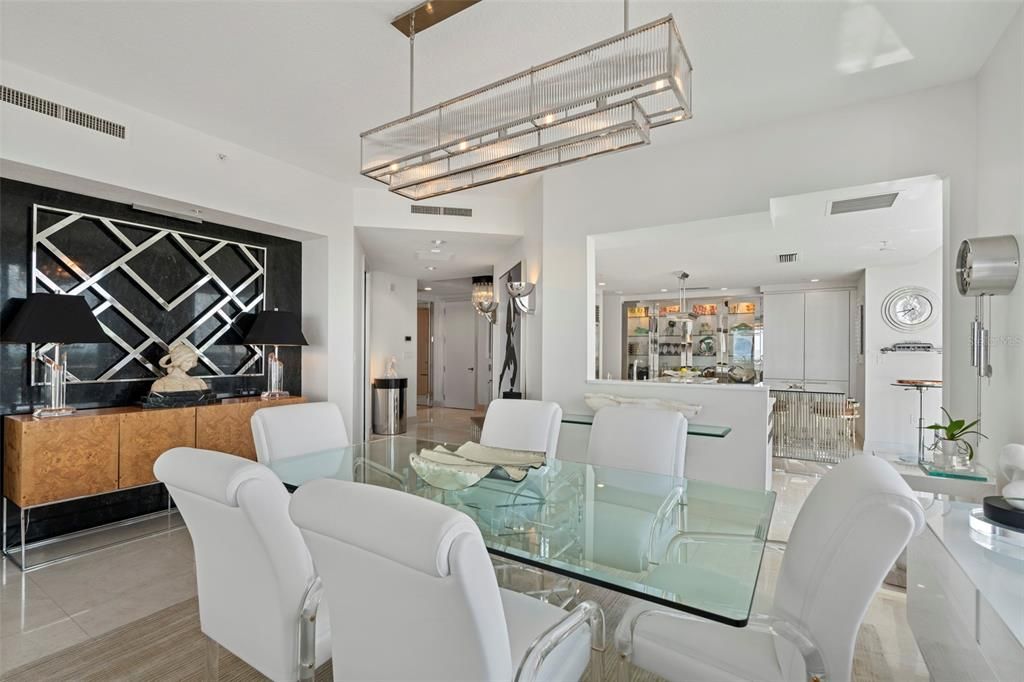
{"x":685,"y":544}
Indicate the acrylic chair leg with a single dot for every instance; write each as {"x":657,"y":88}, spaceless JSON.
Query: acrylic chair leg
{"x":307,"y":630}
{"x":598,"y":645}
{"x":622,"y":672}
{"x":212,"y":660}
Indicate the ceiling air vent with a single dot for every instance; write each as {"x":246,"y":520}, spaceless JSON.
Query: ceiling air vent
{"x":426,"y":210}
{"x":442,"y":210}
{"x":51,"y":108}
{"x":862,"y":203}
{"x":787,"y":257}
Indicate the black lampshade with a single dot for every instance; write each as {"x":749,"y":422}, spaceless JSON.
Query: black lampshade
{"x":54,"y":318}
{"x":276,"y":328}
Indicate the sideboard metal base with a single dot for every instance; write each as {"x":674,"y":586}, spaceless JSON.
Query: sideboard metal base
{"x":18,"y":554}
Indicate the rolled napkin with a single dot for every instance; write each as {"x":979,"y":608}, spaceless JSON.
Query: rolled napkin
{"x":442,"y":468}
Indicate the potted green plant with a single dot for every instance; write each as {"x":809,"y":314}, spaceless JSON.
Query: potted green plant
{"x":950,"y":440}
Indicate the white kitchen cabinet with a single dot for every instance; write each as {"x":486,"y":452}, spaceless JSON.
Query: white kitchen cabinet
{"x":827,"y":335}
{"x":784,"y":336}
{"x":807,"y":339}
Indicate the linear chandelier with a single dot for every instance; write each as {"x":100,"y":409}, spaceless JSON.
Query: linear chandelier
{"x":601,"y":99}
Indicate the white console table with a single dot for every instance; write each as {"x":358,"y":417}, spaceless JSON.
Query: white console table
{"x":965,"y":603}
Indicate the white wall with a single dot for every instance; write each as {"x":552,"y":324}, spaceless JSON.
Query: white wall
{"x":611,"y":335}
{"x":1000,"y":210}
{"x":925,"y":132}
{"x":483,"y":355}
{"x":167,"y":162}
{"x":392,"y":301}
{"x":890,"y":413}
{"x":360,"y":386}
{"x":858,"y":374}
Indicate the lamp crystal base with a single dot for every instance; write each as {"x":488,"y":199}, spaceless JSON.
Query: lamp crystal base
{"x":275,"y":378}
{"x":44,"y":412}
{"x":273,"y":395}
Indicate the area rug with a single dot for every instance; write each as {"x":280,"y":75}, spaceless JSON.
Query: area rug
{"x":168,"y":645}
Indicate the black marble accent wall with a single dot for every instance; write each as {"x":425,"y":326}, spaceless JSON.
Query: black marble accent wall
{"x":283,"y":290}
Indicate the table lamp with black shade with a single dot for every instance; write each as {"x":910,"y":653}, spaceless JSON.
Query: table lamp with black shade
{"x":56,"y":319}
{"x":275,"y":328}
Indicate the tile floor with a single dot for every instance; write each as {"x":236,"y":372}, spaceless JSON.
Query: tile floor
{"x":61,"y":605}
{"x":44,"y":611}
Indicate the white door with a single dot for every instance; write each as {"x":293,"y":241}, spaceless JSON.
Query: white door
{"x":460,"y":355}
{"x":827,"y":336}
{"x":784,"y":337}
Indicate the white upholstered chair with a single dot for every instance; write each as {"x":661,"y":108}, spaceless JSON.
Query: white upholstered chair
{"x":419,"y":600}
{"x":852,"y":527}
{"x":639,"y":439}
{"x":531,"y":425}
{"x":297,"y":429}
{"x":253,"y":570}
{"x":634,"y":439}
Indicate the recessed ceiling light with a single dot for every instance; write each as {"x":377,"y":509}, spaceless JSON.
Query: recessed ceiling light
{"x":600,"y":284}
{"x":431,"y":267}
{"x":815,"y":280}
{"x":664,"y":291}
{"x":435,"y":251}
{"x":428,"y":288}
{"x":725,"y":288}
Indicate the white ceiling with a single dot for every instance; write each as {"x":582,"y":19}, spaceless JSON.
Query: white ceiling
{"x":300,"y":80}
{"x":445,"y":288}
{"x":740,"y":252}
{"x":407,"y":252}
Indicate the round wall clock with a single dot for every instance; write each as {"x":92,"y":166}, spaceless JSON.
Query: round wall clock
{"x":908,"y":309}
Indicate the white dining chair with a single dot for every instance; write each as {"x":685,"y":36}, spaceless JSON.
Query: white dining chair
{"x":420,"y":602}
{"x":531,"y":425}
{"x":255,"y":576}
{"x":852,"y":527}
{"x":297,"y":429}
{"x":640,"y":439}
{"x":634,"y":439}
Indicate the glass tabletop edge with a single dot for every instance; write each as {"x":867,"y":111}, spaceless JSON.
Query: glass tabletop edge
{"x":619,"y":589}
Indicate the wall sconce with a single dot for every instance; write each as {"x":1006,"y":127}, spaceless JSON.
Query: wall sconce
{"x":483,"y":297}
{"x":520,"y":293}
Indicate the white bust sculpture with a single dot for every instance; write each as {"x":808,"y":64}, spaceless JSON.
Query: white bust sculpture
{"x":178,"y":362}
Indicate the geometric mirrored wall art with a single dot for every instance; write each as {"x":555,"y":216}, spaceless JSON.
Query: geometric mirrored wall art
{"x":149,"y":288}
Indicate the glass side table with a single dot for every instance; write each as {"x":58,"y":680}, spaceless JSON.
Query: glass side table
{"x":971,"y":486}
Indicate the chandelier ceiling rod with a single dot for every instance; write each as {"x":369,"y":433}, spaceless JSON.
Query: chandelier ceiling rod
{"x":625,"y":15}
{"x":412,"y":58}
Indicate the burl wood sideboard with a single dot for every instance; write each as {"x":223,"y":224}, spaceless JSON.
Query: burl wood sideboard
{"x":99,"y":451}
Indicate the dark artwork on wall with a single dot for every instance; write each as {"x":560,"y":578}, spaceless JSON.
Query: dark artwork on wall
{"x":513,"y":342}
{"x":200,"y":282}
